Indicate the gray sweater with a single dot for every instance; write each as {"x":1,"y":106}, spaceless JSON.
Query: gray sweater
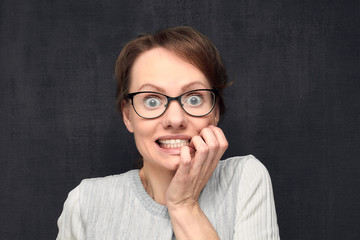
{"x":238,"y":201}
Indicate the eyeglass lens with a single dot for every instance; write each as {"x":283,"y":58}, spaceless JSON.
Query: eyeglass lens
{"x":152,"y":105}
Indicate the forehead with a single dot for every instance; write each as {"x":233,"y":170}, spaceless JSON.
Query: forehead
{"x":162,"y":69}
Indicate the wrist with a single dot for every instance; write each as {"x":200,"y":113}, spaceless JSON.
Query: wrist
{"x":188,"y":208}
{"x":190,"y":222}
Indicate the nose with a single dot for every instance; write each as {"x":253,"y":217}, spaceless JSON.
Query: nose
{"x":174,"y":117}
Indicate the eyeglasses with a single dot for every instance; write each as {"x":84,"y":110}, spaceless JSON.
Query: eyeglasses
{"x":196,"y":103}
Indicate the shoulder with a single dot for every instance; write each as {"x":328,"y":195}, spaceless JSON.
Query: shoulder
{"x":230,"y":172}
{"x":98,"y":195}
{"x":252,"y":179}
{"x":240,"y":161}
{"x":239,"y":165}
{"x":240,"y":172}
{"x":93,"y":188}
{"x":106,"y":183}
{"x":105,"y":190}
{"x":254,"y":173}
{"x":232,"y":180}
{"x":92,"y":199}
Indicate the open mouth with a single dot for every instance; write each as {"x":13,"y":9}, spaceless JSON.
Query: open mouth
{"x":172,"y":143}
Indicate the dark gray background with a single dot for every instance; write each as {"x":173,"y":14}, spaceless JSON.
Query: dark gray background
{"x":295,"y":102}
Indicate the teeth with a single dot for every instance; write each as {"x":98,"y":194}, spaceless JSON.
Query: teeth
{"x":173,"y":143}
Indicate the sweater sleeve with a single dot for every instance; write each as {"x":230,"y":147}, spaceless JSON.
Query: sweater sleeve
{"x":70,"y":223}
{"x":255,"y":214}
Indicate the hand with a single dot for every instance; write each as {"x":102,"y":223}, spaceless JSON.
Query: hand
{"x":195,"y":169}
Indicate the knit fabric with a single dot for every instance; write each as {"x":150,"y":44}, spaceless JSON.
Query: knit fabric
{"x":237,"y":200}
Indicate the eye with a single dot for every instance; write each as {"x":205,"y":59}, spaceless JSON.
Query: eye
{"x":152,"y":102}
{"x":194,"y":100}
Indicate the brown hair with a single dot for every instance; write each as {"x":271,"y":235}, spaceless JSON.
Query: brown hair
{"x":188,"y":44}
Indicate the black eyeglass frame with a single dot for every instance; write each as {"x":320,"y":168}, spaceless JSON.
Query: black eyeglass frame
{"x":169,"y":99}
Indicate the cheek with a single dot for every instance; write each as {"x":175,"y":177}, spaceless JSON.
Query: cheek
{"x":143,"y":132}
{"x":212,"y":118}
{"x":201,"y":123}
{"x":142,"y":140}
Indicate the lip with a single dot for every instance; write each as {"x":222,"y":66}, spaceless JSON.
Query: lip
{"x":181,"y":137}
{"x":172,"y":151}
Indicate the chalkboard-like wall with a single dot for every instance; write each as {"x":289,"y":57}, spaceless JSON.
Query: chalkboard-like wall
{"x":294,"y":103}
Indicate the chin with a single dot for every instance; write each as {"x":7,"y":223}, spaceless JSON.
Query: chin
{"x":161,"y":163}
{"x":172,"y":162}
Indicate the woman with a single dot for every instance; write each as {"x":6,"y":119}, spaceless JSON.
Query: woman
{"x":169,"y":92}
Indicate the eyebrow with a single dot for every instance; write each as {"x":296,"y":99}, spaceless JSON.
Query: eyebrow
{"x":186,"y":87}
{"x":151,"y":86}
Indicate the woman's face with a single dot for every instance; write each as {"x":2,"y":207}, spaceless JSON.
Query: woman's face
{"x":160,"y":70}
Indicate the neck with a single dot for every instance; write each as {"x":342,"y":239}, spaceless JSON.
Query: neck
{"x":156,"y":181}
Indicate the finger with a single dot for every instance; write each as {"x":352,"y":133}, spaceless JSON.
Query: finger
{"x":206,"y":162}
{"x":210,"y":139}
{"x":201,"y":153}
{"x":221,"y":139}
{"x":212,"y":145}
{"x":185,"y":162}
{"x":217,"y":143}
{"x":220,"y":136}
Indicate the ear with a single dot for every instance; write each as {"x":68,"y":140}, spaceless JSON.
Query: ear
{"x":125,"y":110}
